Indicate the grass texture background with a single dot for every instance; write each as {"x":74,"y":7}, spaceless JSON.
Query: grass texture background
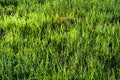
{"x":59,"y":40}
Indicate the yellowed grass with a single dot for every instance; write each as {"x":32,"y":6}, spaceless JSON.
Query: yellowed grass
{"x":64,"y":19}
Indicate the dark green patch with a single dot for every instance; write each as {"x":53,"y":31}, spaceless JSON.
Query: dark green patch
{"x":2,"y":33}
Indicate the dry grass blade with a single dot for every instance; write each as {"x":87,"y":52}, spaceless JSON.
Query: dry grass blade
{"x":62,"y":20}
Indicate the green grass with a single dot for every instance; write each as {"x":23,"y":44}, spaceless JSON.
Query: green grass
{"x":37,"y":44}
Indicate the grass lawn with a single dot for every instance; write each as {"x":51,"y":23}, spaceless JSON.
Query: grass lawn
{"x":59,"y":39}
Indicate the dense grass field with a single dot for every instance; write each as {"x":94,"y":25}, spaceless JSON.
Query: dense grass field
{"x":59,"y":39}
